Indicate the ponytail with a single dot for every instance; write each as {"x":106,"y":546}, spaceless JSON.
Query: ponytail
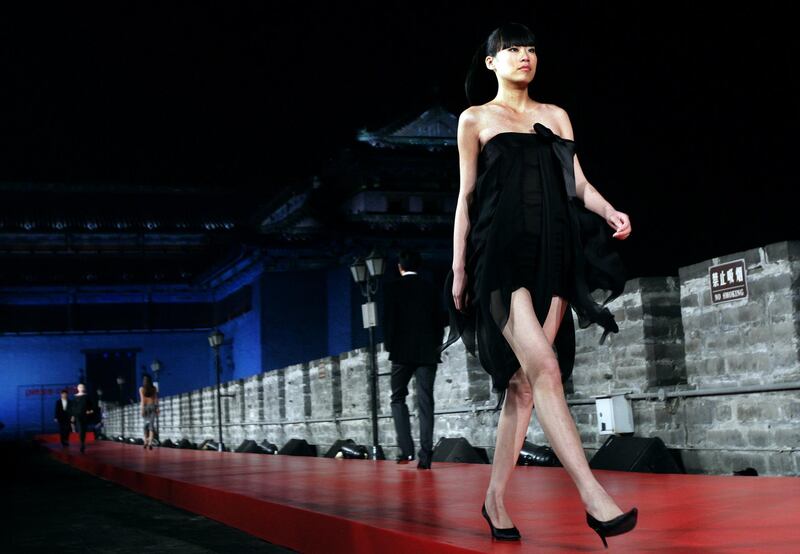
{"x":480,"y":81}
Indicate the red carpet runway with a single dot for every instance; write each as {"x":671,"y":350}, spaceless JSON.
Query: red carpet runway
{"x":327,"y":505}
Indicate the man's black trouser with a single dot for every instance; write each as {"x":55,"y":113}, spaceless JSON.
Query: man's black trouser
{"x":425,"y":375}
{"x":64,"y":429}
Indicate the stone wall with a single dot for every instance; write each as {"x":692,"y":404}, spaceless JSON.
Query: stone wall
{"x":750,"y":341}
{"x":648,"y":350}
{"x":727,"y":375}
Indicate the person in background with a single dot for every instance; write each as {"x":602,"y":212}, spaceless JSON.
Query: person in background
{"x":414,"y":325}
{"x":83,"y":410}
{"x":148,"y":398}
{"x":63,"y":417}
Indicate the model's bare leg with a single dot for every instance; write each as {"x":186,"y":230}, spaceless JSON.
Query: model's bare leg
{"x":531,"y":346}
{"x":513,"y":426}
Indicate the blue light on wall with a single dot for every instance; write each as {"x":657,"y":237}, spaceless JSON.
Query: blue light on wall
{"x":30,"y":360}
{"x":339,"y":312}
{"x":296,"y":316}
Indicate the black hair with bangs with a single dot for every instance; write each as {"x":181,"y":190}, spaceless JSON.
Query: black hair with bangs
{"x":480,"y":85}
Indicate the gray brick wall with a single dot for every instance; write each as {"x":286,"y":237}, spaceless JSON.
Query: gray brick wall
{"x":297,"y":396}
{"x":672,"y":339}
{"x":354,"y":382}
{"x":325,"y":388}
{"x":647,"y":351}
{"x":747,"y":341}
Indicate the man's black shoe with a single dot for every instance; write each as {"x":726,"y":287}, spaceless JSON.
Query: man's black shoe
{"x":425,"y":459}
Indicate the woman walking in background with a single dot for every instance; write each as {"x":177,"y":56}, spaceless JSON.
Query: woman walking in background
{"x":83,"y":410}
{"x":148,"y":398}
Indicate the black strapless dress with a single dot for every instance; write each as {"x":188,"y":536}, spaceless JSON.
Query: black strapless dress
{"x":529,"y":229}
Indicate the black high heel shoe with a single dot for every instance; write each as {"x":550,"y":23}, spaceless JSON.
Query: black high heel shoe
{"x":617,"y":526}
{"x":506,"y":534}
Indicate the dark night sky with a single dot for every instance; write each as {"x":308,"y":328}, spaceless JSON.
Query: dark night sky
{"x":683,"y":117}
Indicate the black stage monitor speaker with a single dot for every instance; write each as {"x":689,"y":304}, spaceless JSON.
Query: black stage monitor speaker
{"x":640,"y":454}
{"x":252,"y":447}
{"x":337,"y":446}
{"x":482,"y":454}
{"x":355,"y":452}
{"x":212,"y":445}
{"x":267,"y":447}
{"x":537,"y":455}
{"x":298,"y":447}
{"x":458,"y":450}
{"x":249,"y":446}
{"x":167,"y":444}
{"x":186,"y":444}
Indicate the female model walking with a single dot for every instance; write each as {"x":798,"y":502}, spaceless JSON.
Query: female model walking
{"x":148,"y":398}
{"x":530,"y":238}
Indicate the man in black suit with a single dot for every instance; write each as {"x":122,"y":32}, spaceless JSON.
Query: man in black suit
{"x":413,"y":327}
{"x":63,"y":413}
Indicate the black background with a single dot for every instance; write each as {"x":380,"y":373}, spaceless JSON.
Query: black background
{"x":684,"y":112}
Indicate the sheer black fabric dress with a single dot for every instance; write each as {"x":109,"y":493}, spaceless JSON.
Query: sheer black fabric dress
{"x":529,"y":229}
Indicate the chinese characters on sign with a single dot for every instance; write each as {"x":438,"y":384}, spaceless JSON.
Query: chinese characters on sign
{"x":728,"y":281}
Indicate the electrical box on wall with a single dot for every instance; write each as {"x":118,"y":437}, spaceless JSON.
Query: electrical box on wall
{"x":614,"y":414}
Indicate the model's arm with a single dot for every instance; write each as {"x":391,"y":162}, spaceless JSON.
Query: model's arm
{"x":141,"y":400}
{"x":590,"y":196}
{"x":468,"y":148}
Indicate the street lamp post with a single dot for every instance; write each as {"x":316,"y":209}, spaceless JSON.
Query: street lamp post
{"x":120,"y":382}
{"x":366,"y":273}
{"x":215,"y":341}
{"x":155,"y":367}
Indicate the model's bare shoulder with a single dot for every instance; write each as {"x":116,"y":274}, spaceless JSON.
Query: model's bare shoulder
{"x":469,"y":124}
{"x":558,"y":120}
{"x":471,"y":117}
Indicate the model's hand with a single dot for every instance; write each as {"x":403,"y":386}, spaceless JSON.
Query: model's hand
{"x":460,"y":298}
{"x":620,"y":222}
